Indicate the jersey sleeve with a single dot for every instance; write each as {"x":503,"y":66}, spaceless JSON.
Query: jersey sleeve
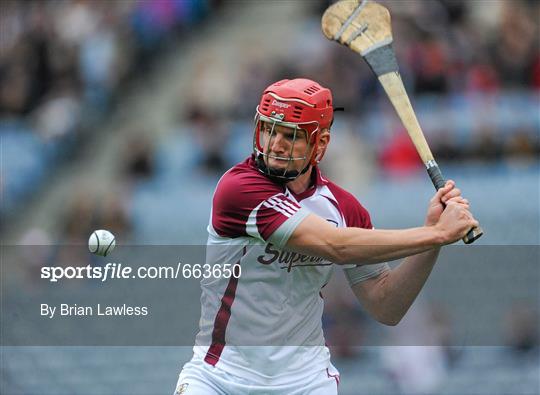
{"x":356,"y":216}
{"x":252,"y":205}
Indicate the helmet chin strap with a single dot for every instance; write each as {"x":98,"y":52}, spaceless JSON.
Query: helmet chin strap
{"x":278,"y":175}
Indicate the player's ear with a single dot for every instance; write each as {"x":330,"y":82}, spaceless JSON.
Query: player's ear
{"x":324,"y":140}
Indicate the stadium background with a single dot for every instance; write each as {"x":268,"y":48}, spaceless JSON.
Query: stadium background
{"x":122,"y":115}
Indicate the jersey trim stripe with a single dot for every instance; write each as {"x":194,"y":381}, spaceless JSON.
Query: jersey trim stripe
{"x":222,"y":320}
{"x":278,"y":203}
{"x":292,"y":206}
{"x":334,"y":376}
{"x":277,"y":208}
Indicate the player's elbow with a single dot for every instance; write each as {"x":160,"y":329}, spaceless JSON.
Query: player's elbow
{"x":389,"y":321}
{"x":385,"y":317}
{"x":388,"y":315}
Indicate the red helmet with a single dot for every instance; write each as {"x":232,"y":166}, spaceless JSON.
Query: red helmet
{"x":297,"y":104}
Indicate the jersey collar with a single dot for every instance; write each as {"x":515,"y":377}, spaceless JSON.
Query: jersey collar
{"x":317,"y":180}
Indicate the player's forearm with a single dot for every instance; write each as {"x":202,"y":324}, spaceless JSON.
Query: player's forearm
{"x":361,"y":246}
{"x":398,"y":289}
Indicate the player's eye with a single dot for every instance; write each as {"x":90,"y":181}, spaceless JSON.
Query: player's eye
{"x":266,"y":129}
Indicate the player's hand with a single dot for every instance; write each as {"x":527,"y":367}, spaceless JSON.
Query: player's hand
{"x":455,"y":221}
{"x":437,"y":202}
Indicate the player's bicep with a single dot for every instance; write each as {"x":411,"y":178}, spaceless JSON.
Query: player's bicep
{"x":314,"y":237}
{"x":370,"y":290}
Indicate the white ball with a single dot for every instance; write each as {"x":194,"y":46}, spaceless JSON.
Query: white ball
{"x":101,"y":242}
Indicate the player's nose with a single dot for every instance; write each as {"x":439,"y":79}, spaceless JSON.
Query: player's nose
{"x":278,"y":143}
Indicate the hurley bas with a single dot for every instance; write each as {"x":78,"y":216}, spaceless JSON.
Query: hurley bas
{"x":99,"y":310}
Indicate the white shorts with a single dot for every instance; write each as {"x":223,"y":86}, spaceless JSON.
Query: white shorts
{"x":200,"y":378}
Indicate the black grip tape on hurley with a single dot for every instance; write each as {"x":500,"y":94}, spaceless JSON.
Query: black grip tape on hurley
{"x":436,"y":177}
{"x":439,"y":182}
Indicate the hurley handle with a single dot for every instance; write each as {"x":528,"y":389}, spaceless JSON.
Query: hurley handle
{"x":439,"y":182}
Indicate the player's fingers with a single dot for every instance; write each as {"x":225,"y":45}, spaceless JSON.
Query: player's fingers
{"x":448,"y":186}
{"x":451,"y":194}
{"x":468,"y":215}
{"x":453,"y":204}
{"x":443,"y":191}
{"x":472,"y":221}
{"x":454,"y":192}
{"x":455,"y":199}
{"x":458,"y":199}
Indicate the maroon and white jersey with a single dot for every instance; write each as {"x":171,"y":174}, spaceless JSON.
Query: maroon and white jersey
{"x":266,"y":324}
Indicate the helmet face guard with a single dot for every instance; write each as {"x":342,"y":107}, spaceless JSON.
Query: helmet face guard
{"x":300,"y":105}
{"x":262,"y":141}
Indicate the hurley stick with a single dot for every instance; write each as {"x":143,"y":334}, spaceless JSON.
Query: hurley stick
{"x":365,"y":28}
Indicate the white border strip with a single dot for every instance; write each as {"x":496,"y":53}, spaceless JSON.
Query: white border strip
{"x":349,"y":20}
{"x":377,"y":46}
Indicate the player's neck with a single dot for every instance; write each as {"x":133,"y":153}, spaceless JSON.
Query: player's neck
{"x":301,"y":183}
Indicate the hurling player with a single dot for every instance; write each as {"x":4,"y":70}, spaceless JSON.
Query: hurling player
{"x":288,"y":227}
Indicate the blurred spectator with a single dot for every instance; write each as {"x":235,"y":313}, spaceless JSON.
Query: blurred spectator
{"x":399,"y":156}
{"x":98,"y":63}
{"x":515,"y":47}
{"x":416,"y":357}
{"x":62,"y":64}
{"x":535,"y":77}
{"x":521,"y":328}
{"x":87,"y":213}
{"x":112,"y":216}
{"x":486,"y":146}
{"x":138,"y":158}
{"x":482,"y":77}
{"x":78,"y":224}
{"x":349,"y":78}
{"x":344,"y":322}
{"x":429,"y":58}
{"x":256,"y":75}
{"x":446,"y":147}
{"x":35,"y":251}
{"x":59,"y":113}
{"x":210,"y":136}
{"x":80,"y":218}
{"x":349,"y":159}
{"x":521,"y":148}
{"x":415,"y":369}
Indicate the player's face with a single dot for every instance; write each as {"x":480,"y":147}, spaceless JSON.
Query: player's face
{"x":281,"y":144}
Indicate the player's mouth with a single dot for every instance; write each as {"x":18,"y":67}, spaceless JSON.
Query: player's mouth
{"x":277,"y":161}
